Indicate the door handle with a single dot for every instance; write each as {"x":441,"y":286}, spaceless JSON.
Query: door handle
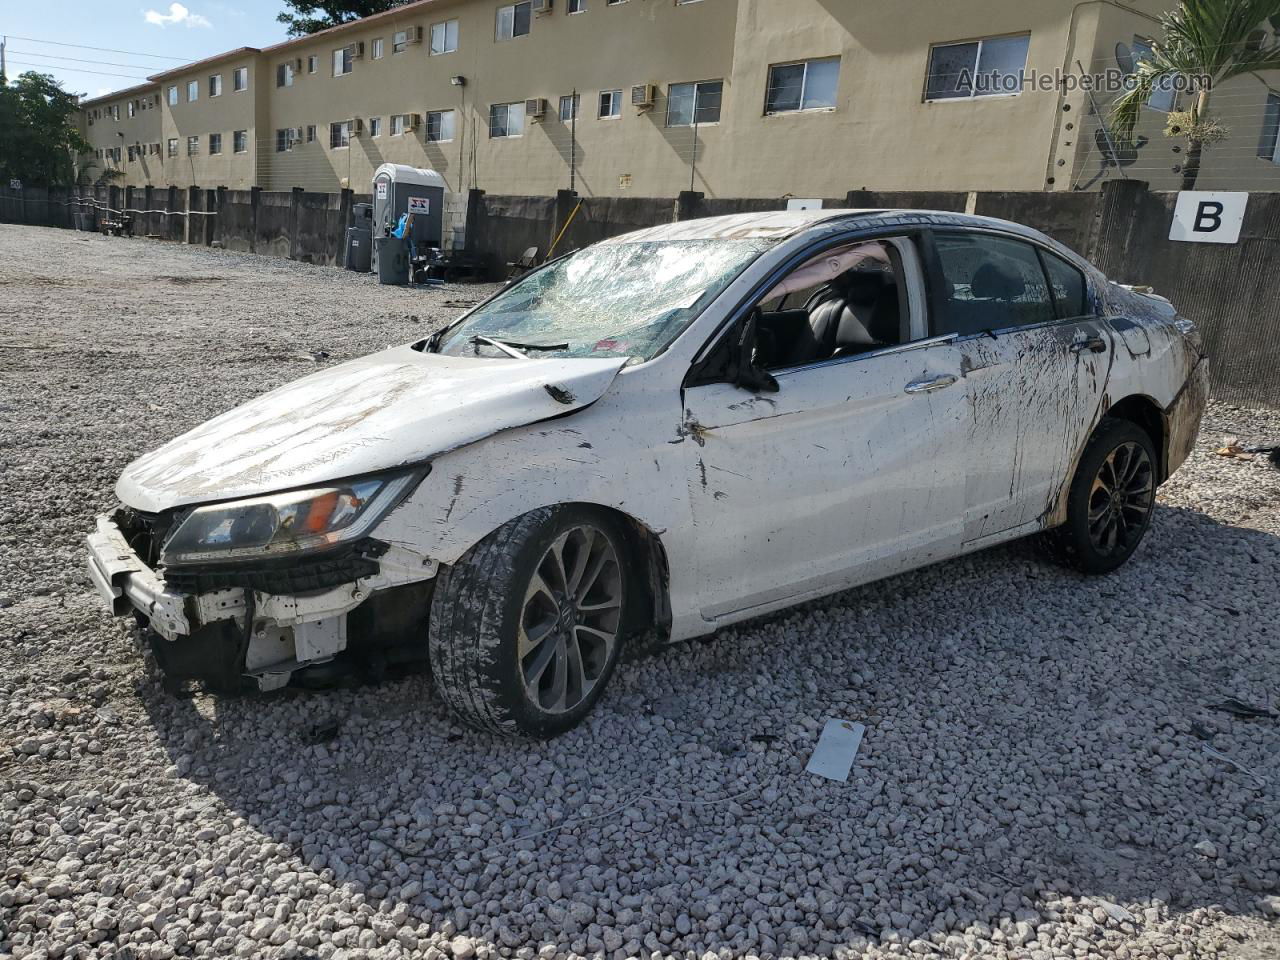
{"x":1092,"y":344}
{"x":932,"y":384}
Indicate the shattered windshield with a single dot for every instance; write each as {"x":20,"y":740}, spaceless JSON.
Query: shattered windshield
{"x":613,"y":299}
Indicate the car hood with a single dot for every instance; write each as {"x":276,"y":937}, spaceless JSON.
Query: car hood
{"x":393,"y":408}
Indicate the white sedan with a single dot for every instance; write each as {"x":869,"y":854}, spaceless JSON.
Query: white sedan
{"x":654,"y":437}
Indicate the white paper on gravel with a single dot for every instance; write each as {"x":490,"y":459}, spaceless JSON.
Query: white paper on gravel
{"x":833,"y":756}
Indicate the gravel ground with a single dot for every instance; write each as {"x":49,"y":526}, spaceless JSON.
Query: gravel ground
{"x":1043,"y":775}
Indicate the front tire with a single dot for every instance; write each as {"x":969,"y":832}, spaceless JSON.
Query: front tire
{"x":1110,"y":502}
{"x":527,"y":627}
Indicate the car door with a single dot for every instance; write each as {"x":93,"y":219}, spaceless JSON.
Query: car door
{"x":850,"y":471}
{"x":1035,"y":361}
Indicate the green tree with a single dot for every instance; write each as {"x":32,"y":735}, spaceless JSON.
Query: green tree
{"x":1212,"y":41}
{"x":39,"y":141}
{"x":304,"y":17}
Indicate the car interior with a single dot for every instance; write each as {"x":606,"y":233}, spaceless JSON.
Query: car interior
{"x":844,"y":303}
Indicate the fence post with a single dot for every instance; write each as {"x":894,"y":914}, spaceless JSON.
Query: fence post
{"x":210,"y":217}
{"x":222,"y":206}
{"x":337,"y":253}
{"x":475,"y":198}
{"x":688,"y":205}
{"x":1112,"y":230}
{"x":255,"y":197}
{"x":295,"y":205}
{"x":566,"y":200}
{"x":190,"y":230}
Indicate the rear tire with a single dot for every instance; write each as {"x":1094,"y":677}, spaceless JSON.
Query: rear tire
{"x":527,"y":627}
{"x":1110,"y":502}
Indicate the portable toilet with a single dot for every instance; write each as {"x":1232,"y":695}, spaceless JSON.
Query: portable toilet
{"x":399,"y":189}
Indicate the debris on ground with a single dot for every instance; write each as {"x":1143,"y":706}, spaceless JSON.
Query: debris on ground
{"x":1248,"y":711}
{"x":837,"y":746}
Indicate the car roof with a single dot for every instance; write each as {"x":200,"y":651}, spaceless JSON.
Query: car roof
{"x":782,"y":224}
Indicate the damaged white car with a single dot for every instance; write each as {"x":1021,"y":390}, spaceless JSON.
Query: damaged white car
{"x":654,"y":437}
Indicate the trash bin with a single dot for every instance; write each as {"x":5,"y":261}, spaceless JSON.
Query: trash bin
{"x":359,"y":249}
{"x":393,"y":260}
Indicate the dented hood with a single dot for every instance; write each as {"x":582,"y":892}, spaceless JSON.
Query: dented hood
{"x":392,"y":408}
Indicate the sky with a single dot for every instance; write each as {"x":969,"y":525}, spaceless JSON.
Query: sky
{"x":133,"y":39}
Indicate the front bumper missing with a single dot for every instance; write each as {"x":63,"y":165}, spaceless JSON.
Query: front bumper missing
{"x":289,"y":632}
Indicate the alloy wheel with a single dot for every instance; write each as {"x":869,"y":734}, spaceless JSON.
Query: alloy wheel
{"x":1120,"y":500}
{"x":570,"y":619}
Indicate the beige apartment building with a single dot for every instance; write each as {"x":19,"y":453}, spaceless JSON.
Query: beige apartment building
{"x":733,"y":98}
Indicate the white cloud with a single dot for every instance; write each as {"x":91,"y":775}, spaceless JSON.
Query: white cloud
{"x":177,"y":14}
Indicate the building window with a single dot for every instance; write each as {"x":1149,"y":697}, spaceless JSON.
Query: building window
{"x":284,"y":75}
{"x":193,"y":146}
{"x":401,"y":124}
{"x":313,"y":63}
{"x":375,"y":126}
{"x":240,"y":79}
{"x":240,"y":141}
{"x":613,"y":3}
{"x":810,"y":85}
{"x":1269,"y":145}
{"x":1164,"y":97}
{"x":342,"y":61}
{"x":193,"y":91}
{"x":513,"y":20}
{"x":506,"y":120}
{"x":215,"y":144}
{"x":979,"y":68}
{"x":173,"y":96}
{"x":215,"y":85}
{"x":311,"y":133}
{"x":576,"y":6}
{"x":284,"y":140}
{"x":444,"y":37}
{"x":130,"y":106}
{"x":173,"y":146}
{"x":376,"y":49}
{"x":694,"y":103}
{"x":569,"y":107}
{"x":339,"y":135}
{"x":440,"y":126}
{"x":610,"y":104}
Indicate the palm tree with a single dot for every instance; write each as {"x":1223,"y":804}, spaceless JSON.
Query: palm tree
{"x":1211,"y":41}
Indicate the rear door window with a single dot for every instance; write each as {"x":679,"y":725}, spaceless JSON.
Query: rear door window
{"x":1067,"y":284}
{"x":988,"y":283}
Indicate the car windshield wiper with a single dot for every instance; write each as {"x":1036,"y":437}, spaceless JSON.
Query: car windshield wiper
{"x":517,"y":350}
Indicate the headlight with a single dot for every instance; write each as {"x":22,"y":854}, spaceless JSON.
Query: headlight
{"x":285,"y":523}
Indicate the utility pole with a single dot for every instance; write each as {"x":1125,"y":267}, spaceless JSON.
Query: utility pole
{"x":573,"y":141}
{"x":3,"y":42}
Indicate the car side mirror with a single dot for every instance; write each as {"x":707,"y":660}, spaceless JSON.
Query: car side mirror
{"x":747,"y":374}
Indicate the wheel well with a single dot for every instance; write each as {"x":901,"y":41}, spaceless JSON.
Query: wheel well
{"x":1146,"y":413}
{"x":650,"y":557}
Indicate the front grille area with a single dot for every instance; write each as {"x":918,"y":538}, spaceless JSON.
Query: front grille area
{"x":283,"y":576}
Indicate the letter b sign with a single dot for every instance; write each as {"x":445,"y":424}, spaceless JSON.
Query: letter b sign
{"x":1208,"y":217}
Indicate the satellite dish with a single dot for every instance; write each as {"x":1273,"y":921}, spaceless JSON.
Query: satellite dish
{"x":1124,"y":58}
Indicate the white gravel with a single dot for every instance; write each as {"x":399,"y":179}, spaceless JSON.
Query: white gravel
{"x":1042,"y":775}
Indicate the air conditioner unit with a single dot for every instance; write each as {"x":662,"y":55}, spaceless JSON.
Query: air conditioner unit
{"x":542,"y":6}
{"x":415,"y":121}
{"x":356,"y":49}
{"x":536,"y":108}
{"x":643,"y":95}
{"x":413,"y":35}
{"x":357,"y":126}
{"x":295,"y":135}
{"x":297,"y":66}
